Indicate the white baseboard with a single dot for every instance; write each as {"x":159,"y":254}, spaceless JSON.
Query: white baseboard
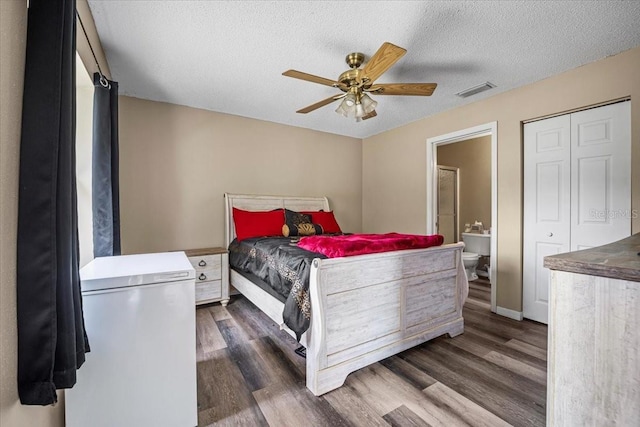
{"x":511,"y":314}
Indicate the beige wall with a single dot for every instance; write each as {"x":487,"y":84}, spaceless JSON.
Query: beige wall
{"x":394,"y":162}
{"x":473,"y":158}
{"x":13,"y":25}
{"x":177,"y":162}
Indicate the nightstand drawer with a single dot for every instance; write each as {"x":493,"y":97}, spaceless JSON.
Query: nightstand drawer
{"x":206,"y":262}
{"x":208,"y":291}
{"x":208,"y":274}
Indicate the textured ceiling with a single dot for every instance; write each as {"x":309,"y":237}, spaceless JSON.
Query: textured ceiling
{"x":229,"y":56}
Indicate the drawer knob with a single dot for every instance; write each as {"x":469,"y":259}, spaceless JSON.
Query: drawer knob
{"x":202,"y":277}
{"x":202,"y":263}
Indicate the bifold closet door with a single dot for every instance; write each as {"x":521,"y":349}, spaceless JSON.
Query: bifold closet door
{"x":600,"y":175}
{"x":547,"y":207}
{"x":577,"y":191}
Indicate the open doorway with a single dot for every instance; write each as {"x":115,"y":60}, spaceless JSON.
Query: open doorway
{"x":462,"y":150}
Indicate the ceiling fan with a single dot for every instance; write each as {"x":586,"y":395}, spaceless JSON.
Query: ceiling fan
{"x":356,"y":82}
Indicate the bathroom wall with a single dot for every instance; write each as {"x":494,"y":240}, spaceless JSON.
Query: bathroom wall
{"x":473,"y":158}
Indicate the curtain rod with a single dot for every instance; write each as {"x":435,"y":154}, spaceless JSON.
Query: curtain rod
{"x":103,"y":80}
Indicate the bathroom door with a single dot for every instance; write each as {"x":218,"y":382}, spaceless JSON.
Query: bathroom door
{"x":447,"y":220}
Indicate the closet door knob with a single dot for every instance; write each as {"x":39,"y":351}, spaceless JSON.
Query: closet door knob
{"x":550,"y":234}
{"x":202,"y":263}
{"x":202,"y":277}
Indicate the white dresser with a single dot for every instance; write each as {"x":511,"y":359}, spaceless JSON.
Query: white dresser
{"x":212,"y":274}
{"x":594,"y":336}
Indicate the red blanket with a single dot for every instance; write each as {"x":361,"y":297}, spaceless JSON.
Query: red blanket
{"x":358,"y":244}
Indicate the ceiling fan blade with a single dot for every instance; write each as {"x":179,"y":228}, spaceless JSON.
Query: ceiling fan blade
{"x":382,"y":60}
{"x":319,"y":104}
{"x":310,"y":78}
{"x":413,"y":89}
{"x":370,"y":115}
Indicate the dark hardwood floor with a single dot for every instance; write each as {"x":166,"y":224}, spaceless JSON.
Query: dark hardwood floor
{"x":492,"y":375}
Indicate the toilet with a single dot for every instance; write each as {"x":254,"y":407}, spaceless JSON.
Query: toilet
{"x":475,"y":246}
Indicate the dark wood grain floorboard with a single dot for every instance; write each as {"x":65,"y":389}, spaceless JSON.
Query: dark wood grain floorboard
{"x":223,"y":396}
{"x":474,"y":384}
{"x":419,"y":379}
{"x":277,"y":361}
{"x":486,"y":334}
{"x":503,"y":348}
{"x":385,"y":391}
{"x":505,"y":329}
{"x":286,"y":400}
{"x":468,"y":411}
{"x":207,"y":335}
{"x":287,"y":346}
{"x":524,"y":347}
{"x":479,"y":294}
{"x":252,"y":317}
{"x":537,"y":338}
{"x":404,"y":417}
{"x":519,"y":385}
{"x":243,"y":313}
{"x":353,"y":408}
{"x":290,"y":406}
{"x":465,"y":342}
{"x":244,"y":356}
{"x":492,"y":375}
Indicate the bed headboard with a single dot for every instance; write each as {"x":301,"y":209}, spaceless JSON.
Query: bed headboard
{"x":252,"y":202}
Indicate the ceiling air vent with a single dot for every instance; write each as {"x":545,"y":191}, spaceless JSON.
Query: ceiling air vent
{"x":476,"y":89}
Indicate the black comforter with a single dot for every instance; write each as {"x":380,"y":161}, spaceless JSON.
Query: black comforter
{"x":279,"y":262}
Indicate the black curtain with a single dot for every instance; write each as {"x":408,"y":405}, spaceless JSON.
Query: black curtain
{"x":105,"y":180}
{"x":51,"y":336}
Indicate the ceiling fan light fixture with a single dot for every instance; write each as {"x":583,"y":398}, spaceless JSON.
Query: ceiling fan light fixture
{"x":356,"y":105}
{"x":350,"y":100}
{"x":348,"y":106}
{"x":342,"y":110}
{"x":368,"y":103}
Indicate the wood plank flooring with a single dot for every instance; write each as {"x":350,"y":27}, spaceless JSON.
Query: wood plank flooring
{"x":492,"y":375}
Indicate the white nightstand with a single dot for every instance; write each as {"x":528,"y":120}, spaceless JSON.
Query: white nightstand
{"x":212,"y":274}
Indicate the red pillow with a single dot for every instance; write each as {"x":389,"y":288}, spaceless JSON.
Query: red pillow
{"x":258,"y":224}
{"x":326,"y":219}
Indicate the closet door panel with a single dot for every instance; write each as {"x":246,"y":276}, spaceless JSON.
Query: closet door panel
{"x":546,"y":207}
{"x":600,"y":175}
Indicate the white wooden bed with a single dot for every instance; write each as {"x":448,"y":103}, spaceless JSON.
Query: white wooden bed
{"x":363,"y":308}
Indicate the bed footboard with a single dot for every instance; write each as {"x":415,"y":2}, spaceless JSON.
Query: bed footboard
{"x":369,"y":307}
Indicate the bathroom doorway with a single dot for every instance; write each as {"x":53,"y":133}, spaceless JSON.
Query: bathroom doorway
{"x":473,"y":152}
{"x":471,"y":159}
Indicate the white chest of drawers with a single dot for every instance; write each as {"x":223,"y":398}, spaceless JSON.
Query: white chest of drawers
{"x":212,"y":274}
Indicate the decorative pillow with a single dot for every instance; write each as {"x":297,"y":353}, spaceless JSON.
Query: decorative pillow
{"x":326,"y":219}
{"x":257,"y":224}
{"x":299,"y":224}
